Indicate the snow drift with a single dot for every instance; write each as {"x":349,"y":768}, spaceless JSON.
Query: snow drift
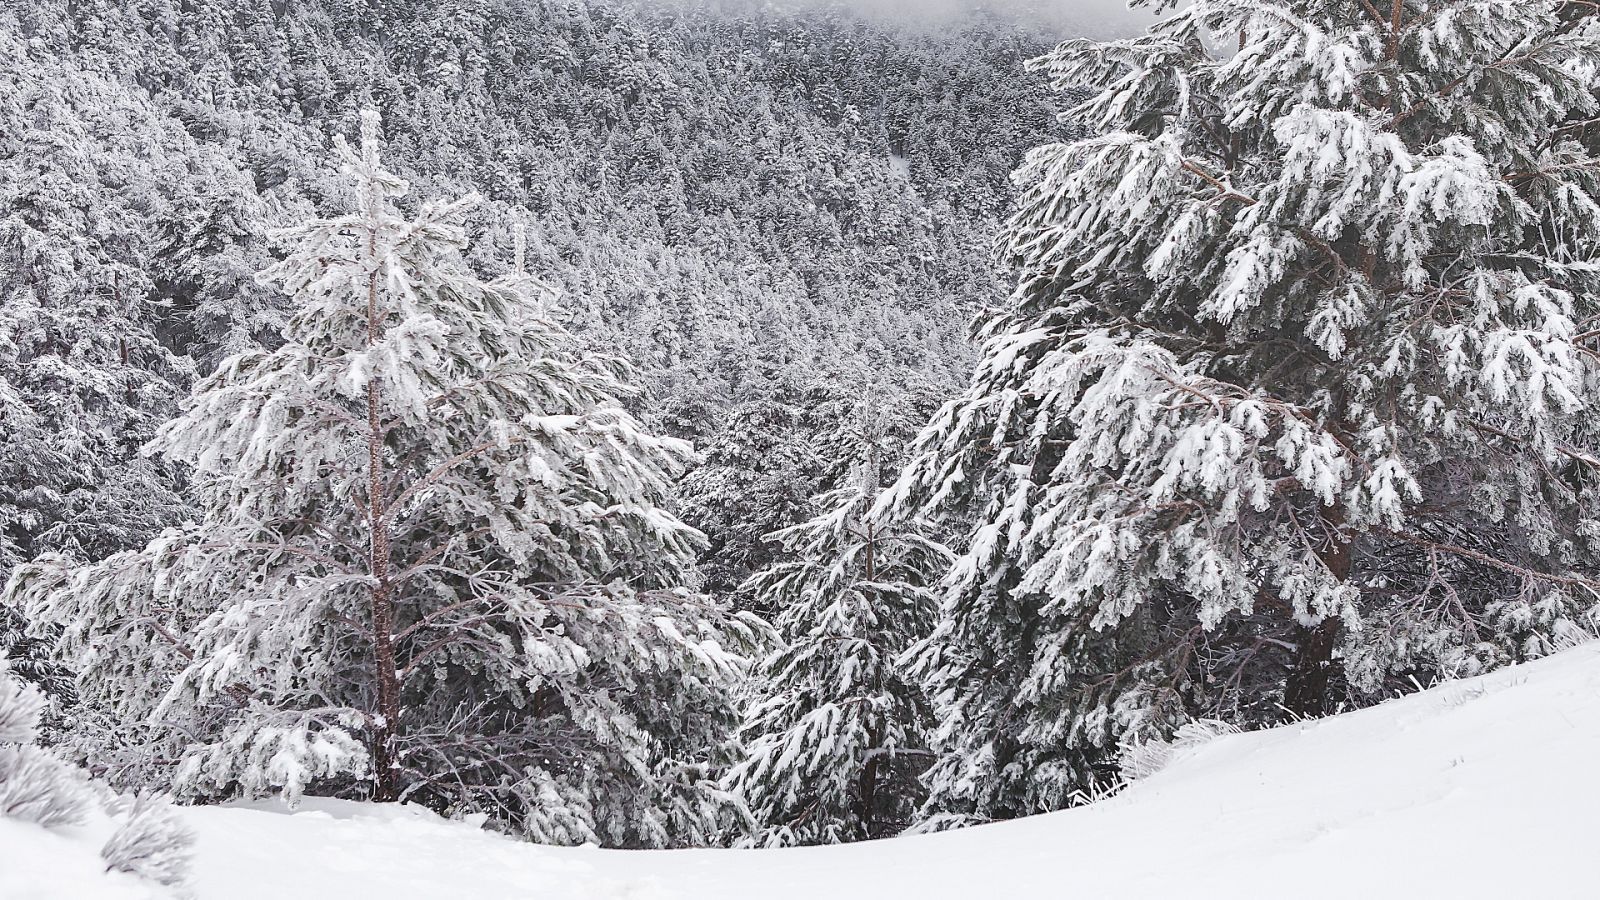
{"x":1478,"y":788}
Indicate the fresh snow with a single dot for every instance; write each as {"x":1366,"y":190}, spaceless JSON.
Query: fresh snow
{"x":64,"y":864}
{"x":1477,"y":788}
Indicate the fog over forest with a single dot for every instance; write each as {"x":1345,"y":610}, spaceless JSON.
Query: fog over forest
{"x":1063,"y":18}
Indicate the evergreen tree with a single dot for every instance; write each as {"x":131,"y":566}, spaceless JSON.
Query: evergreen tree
{"x":84,"y":379}
{"x":836,"y":736}
{"x":1294,"y":398}
{"x":433,"y":560}
{"x":756,"y":476}
{"x":704,"y":184}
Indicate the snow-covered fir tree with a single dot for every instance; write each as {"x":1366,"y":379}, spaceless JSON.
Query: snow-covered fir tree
{"x":1294,"y":400}
{"x":755,"y":477}
{"x":836,"y":735}
{"x":794,"y":438}
{"x":433,"y":563}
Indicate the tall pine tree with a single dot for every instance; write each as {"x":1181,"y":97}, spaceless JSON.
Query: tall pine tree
{"x":1294,"y":395}
{"x":434,"y":561}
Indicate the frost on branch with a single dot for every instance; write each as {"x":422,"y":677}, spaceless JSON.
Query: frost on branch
{"x":150,"y":843}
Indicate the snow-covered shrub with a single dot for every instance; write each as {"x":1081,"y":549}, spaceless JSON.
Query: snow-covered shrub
{"x":150,"y":843}
{"x":36,"y":787}
{"x":1141,"y":759}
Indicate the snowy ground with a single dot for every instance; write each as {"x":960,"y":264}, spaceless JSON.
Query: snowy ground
{"x":1481,"y":788}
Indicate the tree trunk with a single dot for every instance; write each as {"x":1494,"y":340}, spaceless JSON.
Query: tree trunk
{"x":1305,"y":693}
{"x":867,"y":787}
{"x":385,"y":767}
{"x":872,"y":555}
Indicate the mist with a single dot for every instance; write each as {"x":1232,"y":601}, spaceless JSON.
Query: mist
{"x":1101,"y":18}
{"x":1060,"y":18}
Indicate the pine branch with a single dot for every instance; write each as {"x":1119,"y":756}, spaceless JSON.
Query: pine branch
{"x":1372,"y":12}
{"x":1228,"y":193}
{"x":437,"y":551}
{"x":1532,"y":574}
{"x":441,"y":470}
{"x":1576,"y":455}
{"x":240,"y":694}
{"x":433,"y":617}
{"x":1449,"y":87}
{"x":328,"y":561}
{"x":447,"y":396}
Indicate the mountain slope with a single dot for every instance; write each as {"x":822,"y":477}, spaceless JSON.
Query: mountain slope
{"x":753,"y":207}
{"x":1478,"y":788}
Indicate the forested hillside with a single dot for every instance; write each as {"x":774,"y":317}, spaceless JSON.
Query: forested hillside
{"x":769,"y":214}
{"x":565,"y":415}
{"x":772,"y":226}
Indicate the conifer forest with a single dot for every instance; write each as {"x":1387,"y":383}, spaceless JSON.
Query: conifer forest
{"x":730,"y":424}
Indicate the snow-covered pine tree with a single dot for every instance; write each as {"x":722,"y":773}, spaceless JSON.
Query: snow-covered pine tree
{"x":756,"y":476}
{"x":84,"y":379}
{"x":836,"y":735}
{"x":1294,"y":396}
{"x":433,"y":561}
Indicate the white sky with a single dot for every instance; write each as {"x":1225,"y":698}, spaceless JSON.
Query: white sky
{"x":1103,"y":17}
{"x":1096,"y":18}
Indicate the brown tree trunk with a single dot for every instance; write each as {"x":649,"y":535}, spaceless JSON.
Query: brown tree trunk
{"x":867,"y":788}
{"x":385,"y":773}
{"x":1305,"y":693}
{"x":872,"y":554}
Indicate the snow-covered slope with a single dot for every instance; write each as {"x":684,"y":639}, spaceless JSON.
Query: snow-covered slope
{"x":1479,"y":788}
{"x":64,"y":864}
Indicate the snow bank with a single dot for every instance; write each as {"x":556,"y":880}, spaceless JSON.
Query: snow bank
{"x":1479,"y":788}
{"x":64,"y":864}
